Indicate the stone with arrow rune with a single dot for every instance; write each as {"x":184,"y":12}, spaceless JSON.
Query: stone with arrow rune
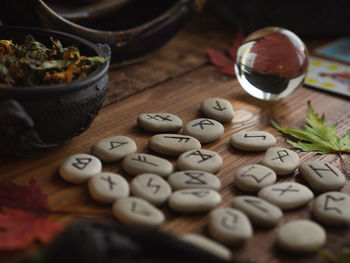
{"x":217,"y":109}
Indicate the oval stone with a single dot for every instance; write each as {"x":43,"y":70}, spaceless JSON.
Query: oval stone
{"x":322,"y":176}
{"x":78,"y":168}
{"x":286,"y":195}
{"x":332,"y":208}
{"x":135,"y":211}
{"x":139,"y":163}
{"x":173,"y":144}
{"x":229,"y":226}
{"x":194,"y":200}
{"x":150,"y":187}
{"x":159,"y":122}
{"x":205,"y":130}
{"x":301,"y":236}
{"x":252,"y":141}
{"x":201,"y":159}
{"x":194,"y":179}
{"x":259,"y":211}
{"x":208,"y":245}
{"x":217,"y":109}
{"x":108,"y":187}
{"x":283,"y":161}
{"x":253,"y":177}
{"x":114,"y":148}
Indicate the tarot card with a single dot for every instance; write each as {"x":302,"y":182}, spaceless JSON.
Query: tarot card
{"x":328,"y":76}
{"x":339,"y":50}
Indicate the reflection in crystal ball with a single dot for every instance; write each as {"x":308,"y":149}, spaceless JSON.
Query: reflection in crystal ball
{"x":271,"y":63}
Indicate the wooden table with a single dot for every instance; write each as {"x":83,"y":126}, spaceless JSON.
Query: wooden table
{"x":176,"y":79}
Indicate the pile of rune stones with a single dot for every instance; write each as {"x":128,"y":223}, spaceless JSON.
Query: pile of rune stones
{"x":194,"y":187}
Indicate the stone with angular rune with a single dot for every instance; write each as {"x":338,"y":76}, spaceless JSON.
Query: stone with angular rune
{"x":252,"y":141}
{"x":282,"y":160}
{"x":173,"y":144}
{"x":201,"y":159}
{"x":114,"y":148}
{"x":194,"y":179}
{"x":286,"y":195}
{"x":208,"y":245}
{"x":78,"y":168}
{"x":259,"y":211}
{"x":229,"y":226}
{"x":301,"y":236}
{"x":332,"y":208}
{"x":159,"y":122}
{"x":194,"y":200}
{"x":139,"y":163}
{"x":135,"y":211}
{"x":150,"y":187}
{"x":217,"y":109}
{"x":322,"y":176}
{"x":253,"y":177}
{"x":205,"y":130}
{"x":108,"y":187}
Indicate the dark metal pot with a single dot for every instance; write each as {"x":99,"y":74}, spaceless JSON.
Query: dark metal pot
{"x":132,"y":30}
{"x":35,"y":118}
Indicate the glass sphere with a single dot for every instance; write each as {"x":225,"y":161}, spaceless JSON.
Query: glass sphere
{"x":271,"y":63}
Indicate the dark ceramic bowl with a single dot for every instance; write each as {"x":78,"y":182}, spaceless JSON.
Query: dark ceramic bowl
{"x":34,"y":118}
{"x":132,"y":28}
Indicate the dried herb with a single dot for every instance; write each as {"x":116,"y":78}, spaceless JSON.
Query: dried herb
{"x":34,"y":64}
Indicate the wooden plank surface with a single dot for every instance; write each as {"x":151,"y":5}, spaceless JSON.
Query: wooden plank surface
{"x":178,"y":88}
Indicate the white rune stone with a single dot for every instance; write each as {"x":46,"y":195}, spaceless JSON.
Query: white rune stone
{"x":151,"y":187}
{"x":259,"y":211}
{"x":301,"y":236}
{"x":114,"y":148}
{"x":173,"y":144}
{"x":282,"y":160}
{"x":229,"y":226}
{"x":208,"y":245}
{"x":332,"y":208}
{"x":287,"y":195}
{"x":159,"y":122}
{"x":194,"y":179}
{"x":135,"y":211}
{"x":201,"y":159}
{"x":253,"y":177}
{"x":194,"y":200}
{"x":78,"y":168}
{"x":203,"y":129}
{"x":322,"y":176}
{"x":217,"y":109}
{"x":108,"y":187}
{"x":252,"y":141}
{"x":139,"y":163}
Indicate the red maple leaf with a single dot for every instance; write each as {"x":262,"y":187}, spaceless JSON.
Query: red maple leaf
{"x":21,"y":228}
{"x":29,"y":198}
{"x":225,"y":64}
{"x":23,"y":217}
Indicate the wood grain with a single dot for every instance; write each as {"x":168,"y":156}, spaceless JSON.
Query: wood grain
{"x":182,"y":97}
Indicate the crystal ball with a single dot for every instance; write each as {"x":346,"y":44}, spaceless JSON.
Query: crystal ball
{"x":271,"y":63}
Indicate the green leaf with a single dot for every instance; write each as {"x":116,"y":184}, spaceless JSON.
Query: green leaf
{"x":316,"y":135}
{"x":342,"y":257}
